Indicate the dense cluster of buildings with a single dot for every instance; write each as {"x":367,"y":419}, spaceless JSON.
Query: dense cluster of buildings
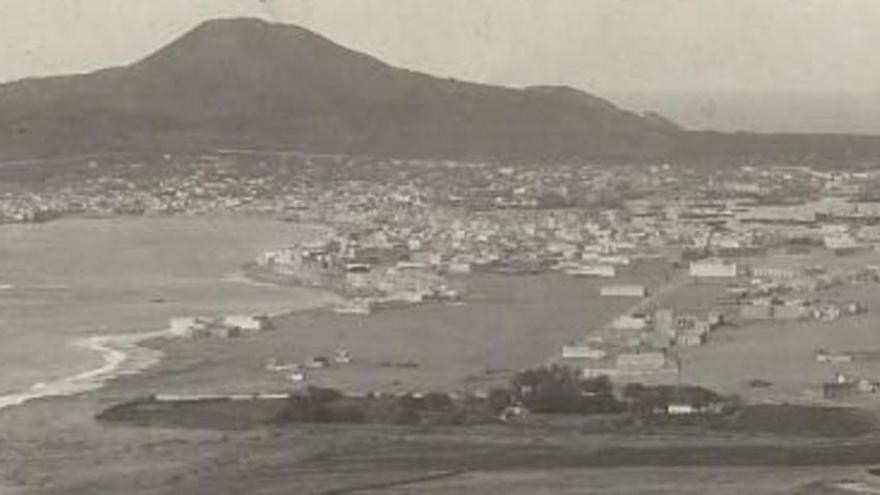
{"x":403,"y":230}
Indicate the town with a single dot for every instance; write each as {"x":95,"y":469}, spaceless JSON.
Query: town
{"x":401,"y":233}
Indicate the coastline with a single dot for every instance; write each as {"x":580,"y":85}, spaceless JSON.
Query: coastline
{"x":108,"y":342}
{"x":120,"y":355}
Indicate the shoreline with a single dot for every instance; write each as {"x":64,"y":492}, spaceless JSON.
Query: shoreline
{"x":109,"y":354}
{"x":120,"y":355}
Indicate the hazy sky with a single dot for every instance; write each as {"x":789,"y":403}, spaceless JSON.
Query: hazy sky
{"x":716,"y":52}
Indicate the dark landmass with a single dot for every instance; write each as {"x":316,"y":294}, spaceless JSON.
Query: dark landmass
{"x":245,"y":83}
{"x":248,"y":84}
{"x":212,"y":455}
{"x":539,"y":398}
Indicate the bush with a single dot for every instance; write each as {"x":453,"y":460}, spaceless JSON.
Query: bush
{"x":560,"y":389}
{"x":436,"y":401}
{"x":644,"y":400}
{"x":318,"y":395}
{"x":499,"y":399}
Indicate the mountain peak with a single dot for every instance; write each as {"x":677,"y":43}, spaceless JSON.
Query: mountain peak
{"x":237,"y":22}
{"x":247,"y":82}
{"x":243,"y":27}
{"x":239,"y":36}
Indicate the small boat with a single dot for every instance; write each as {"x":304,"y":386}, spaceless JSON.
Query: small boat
{"x":342,"y":357}
{"x":273,"y":365}
{"x":318,"y":362}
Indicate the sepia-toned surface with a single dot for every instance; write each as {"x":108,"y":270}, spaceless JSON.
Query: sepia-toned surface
{"x":409,"y":246}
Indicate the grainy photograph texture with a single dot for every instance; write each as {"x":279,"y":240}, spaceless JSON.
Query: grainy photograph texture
{"x":439,"y":247}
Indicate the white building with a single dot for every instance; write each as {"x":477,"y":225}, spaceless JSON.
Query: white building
{"x":840,"y":241}
{"x":627,"y":322}
{"x":614,"y":260}
{"x":641,"y":361}
{"x":576,"y":351}
{"x":713,"y":268}
{"x":772,"y":273}
{"x":624,"y":291}
{"x":246,"y":322}
{"x":459,"y":267}
{"x":691,"y":337}
{"x":184,"y":327}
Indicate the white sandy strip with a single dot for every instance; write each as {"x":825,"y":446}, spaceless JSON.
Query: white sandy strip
{"x":121,"y":355}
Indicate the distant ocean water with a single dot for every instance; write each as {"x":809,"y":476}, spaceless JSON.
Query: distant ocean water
{"x":66,"y":284}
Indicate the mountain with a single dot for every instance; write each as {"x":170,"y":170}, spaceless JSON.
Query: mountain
{"x":250,"y":84}
{"x":246,"y":83}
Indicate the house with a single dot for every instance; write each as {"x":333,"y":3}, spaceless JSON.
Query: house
{"x":630,"y":322}
{"x":840,"y":240}
{"x":692,"y":337}
{"x":184,"y":327}
{"x":624,"y":291}
{"x":342,"y":357}
{"x":826,"y":312}
{"x":681,"y":409}
{"x":713,"y":268}
{"x":613,"y":260}
{"x":247,"y":323}
{"x":576,"y":351}
{"x":459,"y":267}
{"x":845,"y":387}
{"x":772,"y":273}
{"x":641,"y":361}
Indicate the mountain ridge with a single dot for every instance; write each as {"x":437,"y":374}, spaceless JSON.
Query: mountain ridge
{"x":248,"y":83}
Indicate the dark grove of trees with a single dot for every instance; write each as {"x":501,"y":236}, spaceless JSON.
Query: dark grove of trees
{"x":560,"y":389}
{"x":544,"y":390}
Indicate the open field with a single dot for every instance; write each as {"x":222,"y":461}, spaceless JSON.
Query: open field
{"x":78,"y":456}
{"x":507,"y":323}
{"x":621,"y":481}
{"x":783,"y":353}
